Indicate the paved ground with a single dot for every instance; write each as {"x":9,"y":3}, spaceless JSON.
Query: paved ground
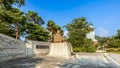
{"x":35,"y":62}
{"x":116,"y":57}
{"x":90,"y":60}
{"x":82,"y":60}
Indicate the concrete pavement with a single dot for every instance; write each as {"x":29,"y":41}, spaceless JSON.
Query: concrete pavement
{"x":82,"y":60}
{"x":115,"y":57}
{"x":91,"y":60}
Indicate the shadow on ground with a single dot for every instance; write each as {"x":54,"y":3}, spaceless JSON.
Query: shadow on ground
{"x":39,"y":61}
{"x":21,"y":63}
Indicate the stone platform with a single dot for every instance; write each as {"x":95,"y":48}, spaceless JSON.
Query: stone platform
{"x":63,"y":50}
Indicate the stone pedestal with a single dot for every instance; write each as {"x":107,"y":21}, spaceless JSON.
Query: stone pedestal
{"x":60,"y":50}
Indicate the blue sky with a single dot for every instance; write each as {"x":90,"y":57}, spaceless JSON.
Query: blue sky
{"x":103,"y":14}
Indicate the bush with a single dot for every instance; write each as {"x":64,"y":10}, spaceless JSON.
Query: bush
{"x":113,"y":50}
{"x":110,"y":50}
{"x":118,"y":49}
{"x":84,"y":46}
{"x":114,"y":43}
{"x":76,"y":49}
{"x":90,"y":48}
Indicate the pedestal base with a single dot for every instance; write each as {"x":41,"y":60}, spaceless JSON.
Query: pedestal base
{"x":60,"y":50}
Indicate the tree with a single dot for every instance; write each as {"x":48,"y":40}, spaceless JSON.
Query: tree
{"x":8,"y":3}
{"x":77,"y":31}
{"x":104,"y":41}
{"x":16,"y":23}
{"x":18,"y":20}
{"x":114,"y":41}
{"x":118,"y":35}
{"x":33,"y":28}
{"x":11,"y":18}
{"x":36,"y":32}
{"x":33,"y":17}
{"x":52,"y":27}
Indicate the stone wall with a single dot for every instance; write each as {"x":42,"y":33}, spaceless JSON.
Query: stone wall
{"x":39,"y":47}
{"x":11,"y":48}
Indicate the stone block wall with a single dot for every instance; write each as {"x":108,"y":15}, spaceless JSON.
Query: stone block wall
{"x":11,"y":48}
{"x":39,"y":47}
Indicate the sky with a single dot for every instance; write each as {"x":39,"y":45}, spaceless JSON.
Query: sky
{"x":103,"y":14}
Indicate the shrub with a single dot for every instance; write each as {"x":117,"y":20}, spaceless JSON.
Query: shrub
{"x":113,"y":50}
{"x":76,"y":49}
{"x":88,"y":49}
{"x":85,"y":46}
{"x":118,"y":49}
{"x":114,"y":43}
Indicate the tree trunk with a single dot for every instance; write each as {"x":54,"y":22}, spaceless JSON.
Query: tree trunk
{"x":51,"y":36}
{"x":17,"y":32}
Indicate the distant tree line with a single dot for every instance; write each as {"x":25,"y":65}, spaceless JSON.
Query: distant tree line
{"x":112,"y":44}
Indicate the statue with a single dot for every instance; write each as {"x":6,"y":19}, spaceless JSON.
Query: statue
{"x":58,"y":37}
{"x":60,"y":48}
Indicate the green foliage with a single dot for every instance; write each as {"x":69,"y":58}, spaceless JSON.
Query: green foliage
{"x":104,"y":41}
{"x":77,"y":31}
{"x":113,"y":50}
{"x":114,"y":43}
{"x":90,"y":48}
{"x":36,"y":32}
{"x":118,"y":35}
{"x":15,"y":23}
{"x":52,"y":28}
{"x":76,"y":49}
{"x":12,"y":20}
{"x":5,"y":29}
{"x":32,"y":17}
{"x":87,"y":47}
{"x":9,"y":3}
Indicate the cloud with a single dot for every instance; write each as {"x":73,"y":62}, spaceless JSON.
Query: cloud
{"x":103,"y":32}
